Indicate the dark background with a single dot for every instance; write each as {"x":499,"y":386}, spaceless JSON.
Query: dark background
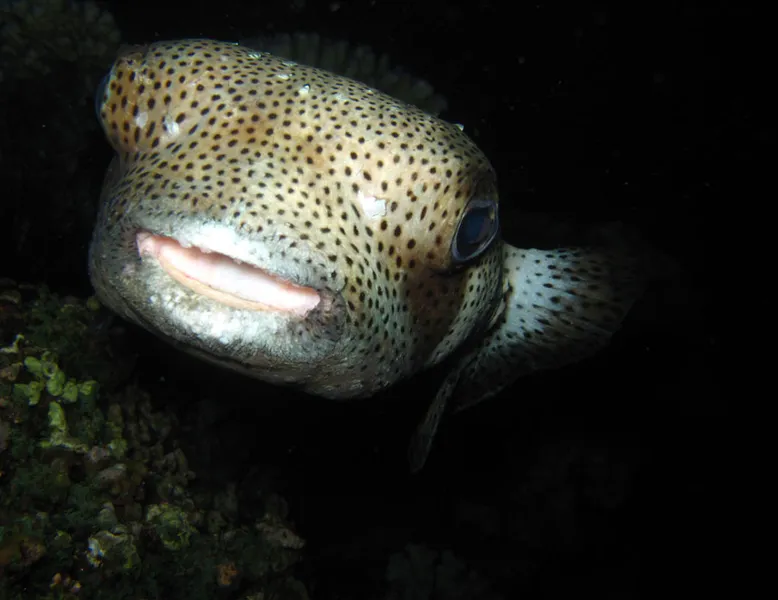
{"x":606,"y":477}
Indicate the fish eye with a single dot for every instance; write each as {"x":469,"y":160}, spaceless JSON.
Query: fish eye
{"x":100,"y":93}
{"x":477,"y":229}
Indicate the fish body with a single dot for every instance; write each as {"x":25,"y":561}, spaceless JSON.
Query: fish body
{"x":308,"y":230}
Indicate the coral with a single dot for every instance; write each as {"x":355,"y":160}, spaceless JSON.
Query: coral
{"x":422,"y":573}
{"x":53,"y":54}
{"x":411,"y":574}
{"x":171,"y":524}
{"x":36,"y":35}
{"x":357,"y":62}
{"x":114,"y":550}
{"x":95,"y":489}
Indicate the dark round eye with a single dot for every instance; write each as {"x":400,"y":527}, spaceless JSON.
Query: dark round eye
{"x":100,"y":93}
{"x":477,"y":229}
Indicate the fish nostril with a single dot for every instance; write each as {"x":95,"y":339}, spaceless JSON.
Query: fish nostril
{"x":100,"y":93}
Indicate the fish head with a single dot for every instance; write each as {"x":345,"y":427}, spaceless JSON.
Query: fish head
{"x":290,"y":223}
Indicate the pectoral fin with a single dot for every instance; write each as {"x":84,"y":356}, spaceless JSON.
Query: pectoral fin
{"x":561,"y":306}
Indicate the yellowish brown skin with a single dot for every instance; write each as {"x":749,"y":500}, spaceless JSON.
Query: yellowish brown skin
{"x":386,"y":217}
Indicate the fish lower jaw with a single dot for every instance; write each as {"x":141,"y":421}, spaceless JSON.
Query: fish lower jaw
{"x":225,"y":280}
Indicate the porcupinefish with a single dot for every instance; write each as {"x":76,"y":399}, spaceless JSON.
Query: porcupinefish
{"x":305,"y":229}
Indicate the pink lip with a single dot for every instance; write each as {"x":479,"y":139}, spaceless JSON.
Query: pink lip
{"x":223,"y":279}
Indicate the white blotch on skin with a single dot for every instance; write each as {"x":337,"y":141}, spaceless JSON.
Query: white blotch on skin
{"x":141,"y":119}
{"x":129,"y":271}
{"x":171,"y":127}
{"x":373,"y":207}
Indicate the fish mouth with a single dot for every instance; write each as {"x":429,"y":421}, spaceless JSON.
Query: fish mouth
{"x":227,"y":279}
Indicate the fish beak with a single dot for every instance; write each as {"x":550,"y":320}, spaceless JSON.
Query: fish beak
{"x":226,"y":280}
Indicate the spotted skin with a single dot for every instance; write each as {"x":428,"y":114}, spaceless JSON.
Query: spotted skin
{"x":327,"y":184}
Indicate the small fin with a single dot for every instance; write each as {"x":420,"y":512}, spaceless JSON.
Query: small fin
{"x":421,"y":442}
{"x":561,"y":306}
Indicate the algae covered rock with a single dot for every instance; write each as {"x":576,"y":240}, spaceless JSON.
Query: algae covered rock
{"x":96,"y":490}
